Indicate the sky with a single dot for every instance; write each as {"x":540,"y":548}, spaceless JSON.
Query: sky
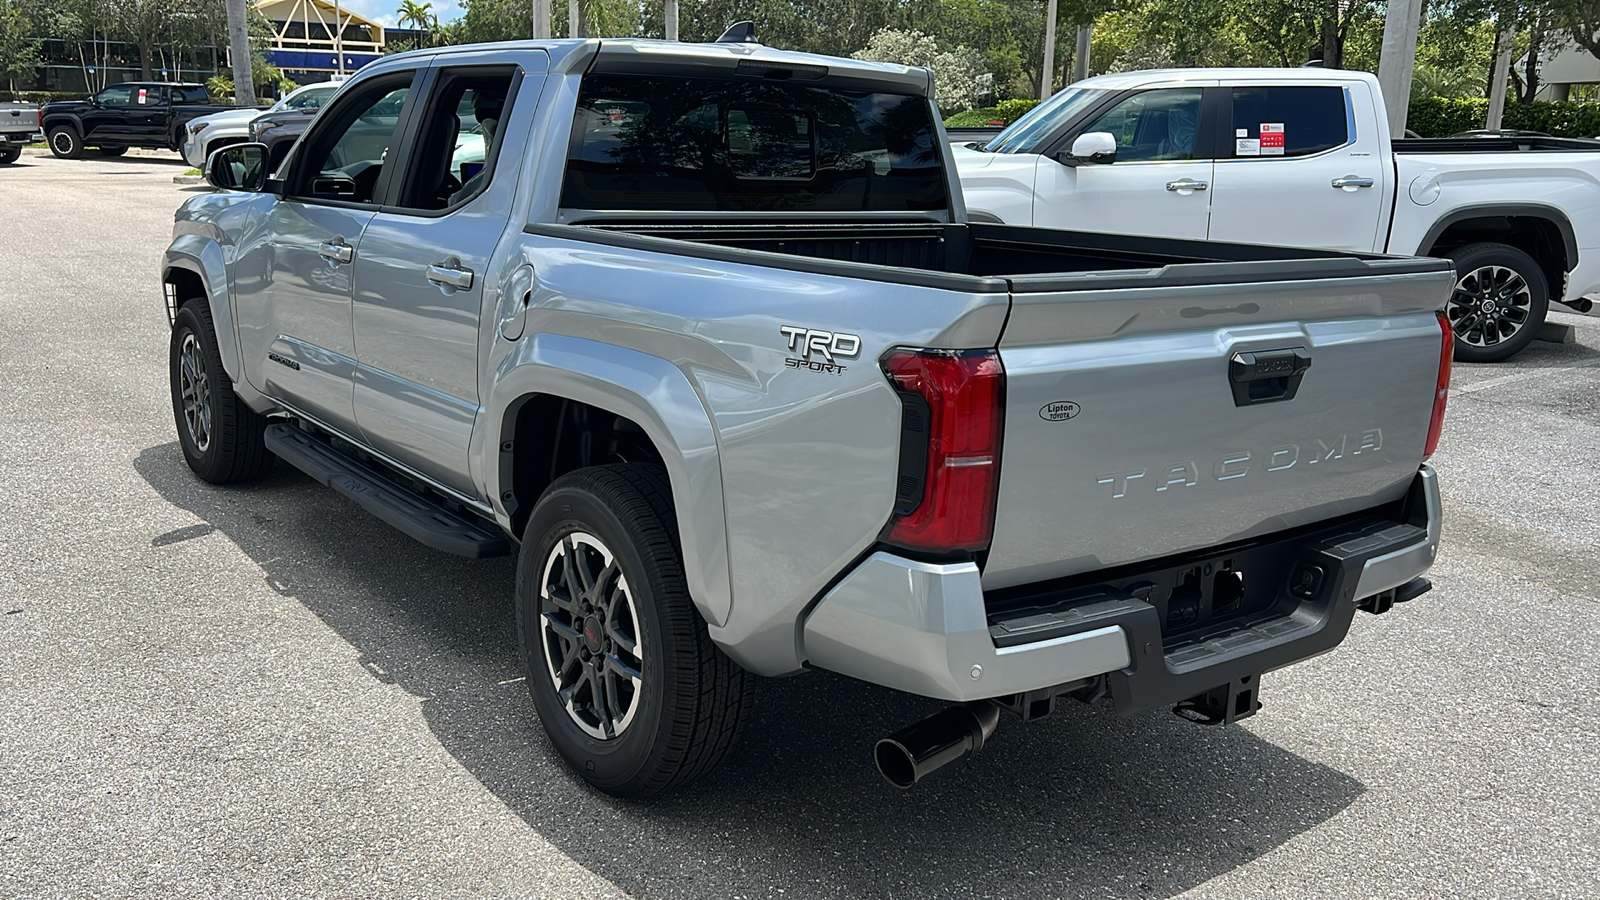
{"x":385,"y":12}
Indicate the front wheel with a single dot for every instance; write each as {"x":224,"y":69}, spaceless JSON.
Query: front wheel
{"x":64,"y":142}
{"x":223,"y":440}
{"x":1499,"y":301}
{"x":629,"y":687}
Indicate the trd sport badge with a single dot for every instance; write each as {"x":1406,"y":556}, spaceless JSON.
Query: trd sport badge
{"x":818,"y":350}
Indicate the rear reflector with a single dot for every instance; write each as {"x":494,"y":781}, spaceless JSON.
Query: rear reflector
{"x":1441,"y":391}
{"x":962,"y":393}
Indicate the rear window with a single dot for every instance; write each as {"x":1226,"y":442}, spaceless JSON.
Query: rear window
{"x":1288,"y":121}
{"x":659,"y":143}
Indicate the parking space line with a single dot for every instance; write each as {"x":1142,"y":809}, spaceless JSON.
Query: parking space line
{"x":1520,"y":376}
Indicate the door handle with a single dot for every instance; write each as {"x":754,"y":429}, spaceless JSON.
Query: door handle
{"x":336,"y":251}
{"x":1352,"y":181}
{"x":1186,"y":184}
{"x":450,"y":274}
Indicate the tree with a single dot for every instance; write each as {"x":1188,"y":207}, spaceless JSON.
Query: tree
{"x":419,"y":15}
{"x":19,"y":51}
{"x":244,"y":91}
{"x":955,"y":71}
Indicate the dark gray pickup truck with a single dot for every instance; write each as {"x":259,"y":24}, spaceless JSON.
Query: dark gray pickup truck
{"x":702,"y":335}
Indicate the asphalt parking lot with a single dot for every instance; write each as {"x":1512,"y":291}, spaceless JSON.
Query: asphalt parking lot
{"x":228,"y":692}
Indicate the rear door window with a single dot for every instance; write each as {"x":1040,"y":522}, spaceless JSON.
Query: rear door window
{"x":1271,"y":121}
{"x":673,"y":143}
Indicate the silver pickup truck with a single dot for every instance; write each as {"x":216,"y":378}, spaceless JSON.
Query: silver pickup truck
{"x":701,"y":333}
{"x":19,"y":127}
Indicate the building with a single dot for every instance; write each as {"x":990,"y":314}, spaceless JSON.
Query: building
{"x":313,"y":39}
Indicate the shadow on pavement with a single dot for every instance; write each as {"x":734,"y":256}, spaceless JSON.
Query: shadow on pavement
{"x":1080,"y":803}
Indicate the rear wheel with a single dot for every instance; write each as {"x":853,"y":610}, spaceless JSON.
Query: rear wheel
{"x":1499,"y":301}
{"x":222,"y":439}
{"x":10,"y":155}
{"x":111,"y":151}
{"x":64,"y":142}
{"x":629,"y":687}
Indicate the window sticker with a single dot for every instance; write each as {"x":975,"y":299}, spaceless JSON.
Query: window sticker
{"x":1241,"y":132}
{"x":142,"y":94}
{"x":1247,"y":147}
{"x":1271,"y":138}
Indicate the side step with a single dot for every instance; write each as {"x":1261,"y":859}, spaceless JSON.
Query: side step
{"x":387,"y":497}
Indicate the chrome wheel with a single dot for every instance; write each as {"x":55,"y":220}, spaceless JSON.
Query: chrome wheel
{"x":194,"y":390}
{"x":1490,"y":305}
{"x":593,"y":645}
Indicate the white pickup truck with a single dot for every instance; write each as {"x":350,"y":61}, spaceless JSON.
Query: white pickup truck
{"x":1303,"y":158}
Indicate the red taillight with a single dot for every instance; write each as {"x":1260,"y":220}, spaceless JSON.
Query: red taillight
{"x":963,"y":391}
{"x":1441,"y":392}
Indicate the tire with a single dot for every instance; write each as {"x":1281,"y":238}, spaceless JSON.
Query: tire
{"x":683,"y":712}
{"x":64,"y":142}
{"x":221,"y":437}
{"x":111,"y":151}
{"x":1498,"y":304}
{"x":10,"y":155}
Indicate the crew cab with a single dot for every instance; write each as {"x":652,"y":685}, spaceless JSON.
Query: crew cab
{"x":146,"y":114}
{"x":1303,"y":158}
{"x":702,"y":334}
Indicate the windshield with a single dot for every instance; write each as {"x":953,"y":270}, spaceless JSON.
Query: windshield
{"x":1025,"y":134}
{"x":312,"y":98}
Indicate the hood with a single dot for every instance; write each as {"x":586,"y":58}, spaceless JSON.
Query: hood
{"x":243,"y":116}
{"x":66,"y":106}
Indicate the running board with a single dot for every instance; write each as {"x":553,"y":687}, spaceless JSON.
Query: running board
{"x":415,"y":513}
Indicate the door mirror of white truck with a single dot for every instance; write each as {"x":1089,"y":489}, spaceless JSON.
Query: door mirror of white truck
{"x":1097,"y":147}
{"x":241,"y":167}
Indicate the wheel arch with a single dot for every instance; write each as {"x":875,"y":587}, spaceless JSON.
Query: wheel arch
{"x":194,"y":266}
{"x":538,"y":388}
{"x":59,"y":119}
{"x":1543,"y":232}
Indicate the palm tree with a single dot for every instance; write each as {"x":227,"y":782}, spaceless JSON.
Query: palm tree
{"x":420,"y":15}
{"x":244,"y":88}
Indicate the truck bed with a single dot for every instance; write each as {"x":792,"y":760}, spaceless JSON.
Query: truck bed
{"x":984,"y":257}
{"x":1515,"y":144}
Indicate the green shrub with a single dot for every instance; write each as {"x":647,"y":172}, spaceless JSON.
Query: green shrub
{"x":39,"y":96}
{"x":1442,"y":117}
{"x":1012,"y":110}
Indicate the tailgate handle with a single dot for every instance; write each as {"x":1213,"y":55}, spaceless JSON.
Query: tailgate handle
{"x":1267,"y":376}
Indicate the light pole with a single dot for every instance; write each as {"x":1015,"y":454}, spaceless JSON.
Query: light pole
{"x":671,"y":16}
{"x":541,"y":19}
{"x":1047,"y":78}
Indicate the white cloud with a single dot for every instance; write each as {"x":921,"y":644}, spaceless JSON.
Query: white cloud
{"x":385,"y":12}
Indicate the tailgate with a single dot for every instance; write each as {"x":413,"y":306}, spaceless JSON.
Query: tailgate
{"x":16,"y":118}
{"x":1127,"y":440}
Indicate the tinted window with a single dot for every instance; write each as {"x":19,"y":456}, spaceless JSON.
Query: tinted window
{"x":120,"y":95}
{"x":1288,"y":121}
{"x":1154,"y":125}
{"x":190,"y":95}
{"x":659,"y":143}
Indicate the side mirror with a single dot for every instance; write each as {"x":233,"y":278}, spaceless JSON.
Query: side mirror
{"x":240,"y":167}
{"x":1095,"y":147}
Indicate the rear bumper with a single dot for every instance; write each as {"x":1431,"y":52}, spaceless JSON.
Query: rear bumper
{"x":22,"y":137}
{"x":927,"y":629}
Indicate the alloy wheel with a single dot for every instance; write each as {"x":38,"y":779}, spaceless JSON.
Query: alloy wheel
{"x":590,"y":629}
{"x":62,"y":142}
{"x":194,"y":388}
{"x":1489,"y":305}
